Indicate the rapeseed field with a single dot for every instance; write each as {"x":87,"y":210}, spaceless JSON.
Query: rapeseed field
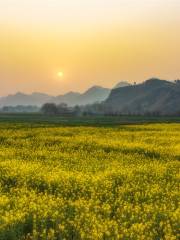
{"x":85,"y":182}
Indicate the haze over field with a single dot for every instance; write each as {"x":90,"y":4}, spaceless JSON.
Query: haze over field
{"x":56,"y":46}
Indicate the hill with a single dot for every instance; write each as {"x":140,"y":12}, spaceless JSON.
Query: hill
{"x":154,"y":95}
{"x":122,"y":84}
{"x":69,"y":98}
{"x":25,"y":99}
{"x":92,"y":95}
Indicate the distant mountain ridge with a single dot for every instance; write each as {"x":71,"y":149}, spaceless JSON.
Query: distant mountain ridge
{"x":92,"y":95}
{"x":153,"y":95}
{"x":122,"y":84}
{"x":24,"y":99}
{"x":69,"y":98}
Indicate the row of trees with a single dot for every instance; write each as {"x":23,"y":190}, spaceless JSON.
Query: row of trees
{"x":63,"y":109}
{"x":93,"y":110}
{"x":87,"y":110}
{"x":19,"y":109}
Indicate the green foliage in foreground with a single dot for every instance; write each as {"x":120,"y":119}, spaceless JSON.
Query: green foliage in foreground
{"x":84,"y":182}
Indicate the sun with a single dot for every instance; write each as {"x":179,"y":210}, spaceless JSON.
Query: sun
{"x":60,"y":74}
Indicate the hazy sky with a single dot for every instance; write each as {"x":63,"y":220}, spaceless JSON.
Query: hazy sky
{"x":93,"y":42}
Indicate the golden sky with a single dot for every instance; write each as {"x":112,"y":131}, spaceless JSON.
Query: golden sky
{"x":92,"y":42}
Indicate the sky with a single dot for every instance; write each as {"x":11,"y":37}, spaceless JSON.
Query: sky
{"x":56,"y":46}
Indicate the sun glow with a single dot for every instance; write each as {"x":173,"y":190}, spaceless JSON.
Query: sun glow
{"x":60,"y":74}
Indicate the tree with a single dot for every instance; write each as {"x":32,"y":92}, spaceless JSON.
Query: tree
{"x":49,"y":109}
{"x":77,"y":110}
{"x":62,"y":108}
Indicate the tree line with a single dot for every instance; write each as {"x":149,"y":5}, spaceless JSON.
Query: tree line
{"x":93,"y":110}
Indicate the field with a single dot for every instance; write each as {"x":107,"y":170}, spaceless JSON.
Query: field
{"x":89,"y":179}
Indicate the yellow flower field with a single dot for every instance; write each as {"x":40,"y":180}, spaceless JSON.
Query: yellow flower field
{"x":84,"y":182}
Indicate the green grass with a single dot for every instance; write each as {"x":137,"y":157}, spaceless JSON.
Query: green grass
{"x":88,"y":178}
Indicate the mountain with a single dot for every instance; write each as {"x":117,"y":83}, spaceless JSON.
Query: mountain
{"x":122,"y":84}
{"x":94,"y":94}
{"x":69,"y":98}
{"x":154,"y":95}
{"x":151,"y":96}
{"x":24,"y":99}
